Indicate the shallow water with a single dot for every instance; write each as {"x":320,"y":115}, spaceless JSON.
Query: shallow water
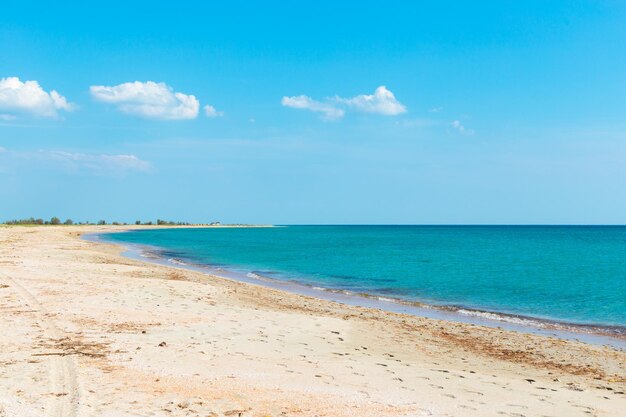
{"x":571,"y":274}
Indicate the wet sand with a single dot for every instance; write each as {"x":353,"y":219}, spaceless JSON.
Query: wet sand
{"x":88,"y":332}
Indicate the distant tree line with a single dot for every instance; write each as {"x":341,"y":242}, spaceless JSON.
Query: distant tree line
{"x":57,"y":221}
{"x":168,"y":223}
{"x":32,"y":220}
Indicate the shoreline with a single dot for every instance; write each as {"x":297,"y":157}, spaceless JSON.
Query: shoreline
{"x":88,"y":332}
{"x":588,"y":333}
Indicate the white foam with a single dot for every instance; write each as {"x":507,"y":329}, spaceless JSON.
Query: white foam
{"x":498,"y":317}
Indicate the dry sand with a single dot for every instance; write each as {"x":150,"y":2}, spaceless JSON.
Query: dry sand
{"x":87,"y":332}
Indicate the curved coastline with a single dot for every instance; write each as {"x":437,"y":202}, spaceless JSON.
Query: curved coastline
{"x":597,"y":334}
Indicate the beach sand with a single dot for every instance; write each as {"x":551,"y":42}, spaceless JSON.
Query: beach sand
{"x":88,"y":332}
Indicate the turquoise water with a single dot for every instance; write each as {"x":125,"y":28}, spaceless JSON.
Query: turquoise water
{"x":574,"y":274}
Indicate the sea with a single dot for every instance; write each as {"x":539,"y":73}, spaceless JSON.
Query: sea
{"x":570,"y":275}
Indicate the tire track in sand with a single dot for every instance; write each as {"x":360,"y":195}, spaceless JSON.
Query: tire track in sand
{"x":64,"y":396}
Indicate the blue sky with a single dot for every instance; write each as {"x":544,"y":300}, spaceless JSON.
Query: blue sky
{"x":491,"y":112}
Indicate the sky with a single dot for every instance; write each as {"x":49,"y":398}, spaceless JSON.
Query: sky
{"x":314,"y":112}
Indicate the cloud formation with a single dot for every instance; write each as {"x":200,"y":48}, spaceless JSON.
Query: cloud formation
{"x":328,"y":110}
{"x":28,"y":98}
{"x":211,"y":111}
{"x":99,"y":162}
{"x":115,"y":164}
{"x":459,"y":127}
{"x":381,"y":102}
{"x":148,"y":99}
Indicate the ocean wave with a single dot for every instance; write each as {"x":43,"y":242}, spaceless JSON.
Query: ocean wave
{"x":499,"y":317}
{"x":259,"y":277}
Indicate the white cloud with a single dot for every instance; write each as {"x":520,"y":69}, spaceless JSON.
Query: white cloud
{"x":381,"y":102}
{"x":456,"y":124}
{"x":211,"y":111}
{"x":18,"y":98}
{"x":116,"y":164}
{"x":151,"y":100}
{"x":328,"y":110}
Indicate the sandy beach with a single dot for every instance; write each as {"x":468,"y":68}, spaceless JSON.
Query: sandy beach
{"x":88,"y":332}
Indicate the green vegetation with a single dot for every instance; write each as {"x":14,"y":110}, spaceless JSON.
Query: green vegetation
{"x":168,"y":223}
{"x":34,"y":222}
{"x":31,"y":221}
